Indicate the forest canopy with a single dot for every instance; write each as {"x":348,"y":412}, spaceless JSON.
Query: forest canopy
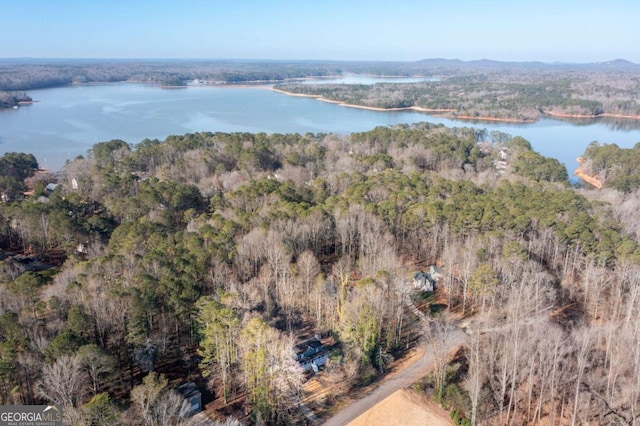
{"x":210,"y":255}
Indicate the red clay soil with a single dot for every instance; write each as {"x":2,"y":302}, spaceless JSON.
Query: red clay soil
{"x":585,"y":177}
{"x":404,"y":408}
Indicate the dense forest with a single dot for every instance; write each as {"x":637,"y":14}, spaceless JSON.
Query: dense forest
{"x":208,"y":256}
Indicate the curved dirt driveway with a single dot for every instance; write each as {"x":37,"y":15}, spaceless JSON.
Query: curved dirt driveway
{"x":418,"y":367}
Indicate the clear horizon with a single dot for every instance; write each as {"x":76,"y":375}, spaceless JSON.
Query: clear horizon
{"x":572,"y":31}
{"x":320,"y":60}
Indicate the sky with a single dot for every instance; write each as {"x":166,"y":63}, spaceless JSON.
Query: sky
{"x":508,"y":30}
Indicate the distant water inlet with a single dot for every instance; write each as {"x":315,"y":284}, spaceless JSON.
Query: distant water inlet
{"x":366,"y":79}
{"x":68,"y":121}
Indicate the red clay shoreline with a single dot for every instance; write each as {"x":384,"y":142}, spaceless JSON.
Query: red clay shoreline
{"x":591,"y":180}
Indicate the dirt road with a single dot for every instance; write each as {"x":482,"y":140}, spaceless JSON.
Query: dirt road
{"x":409,"y":373}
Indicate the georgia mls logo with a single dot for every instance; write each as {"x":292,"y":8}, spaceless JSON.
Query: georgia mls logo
{"x":30,"y":415}
{"x":51,"y":407}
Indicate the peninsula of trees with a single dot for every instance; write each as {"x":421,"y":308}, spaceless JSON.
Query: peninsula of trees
{"x":13,"y":99}
{"x":207,"y":256}
{"x":510,"y":94}
{"x":612,"y":166}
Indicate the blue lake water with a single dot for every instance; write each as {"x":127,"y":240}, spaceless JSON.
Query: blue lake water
{"x":66,"y":122}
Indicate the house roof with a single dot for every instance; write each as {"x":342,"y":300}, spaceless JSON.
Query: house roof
{"x":189,"y":390}
{"x":419,"y":275}
{"x":309,"y":344}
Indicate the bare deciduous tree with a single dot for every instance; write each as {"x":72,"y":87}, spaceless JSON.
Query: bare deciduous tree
{"x":63,"y":382}
{"x":437,"y":332}
{"x":475,"y":376}
{"x":158,"y":404}
{"x":96,"y":363}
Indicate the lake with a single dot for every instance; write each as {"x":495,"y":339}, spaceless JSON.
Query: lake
{"x":66,"y":122}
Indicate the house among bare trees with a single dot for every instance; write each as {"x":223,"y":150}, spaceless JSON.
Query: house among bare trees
{"x":311,"y":354}
{"x":425,"y":281}
{"x":192,"y":394}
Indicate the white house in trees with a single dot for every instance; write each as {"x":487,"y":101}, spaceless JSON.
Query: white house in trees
{"x":311,"y":354}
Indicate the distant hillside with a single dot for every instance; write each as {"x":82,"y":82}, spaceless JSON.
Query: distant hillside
{"x":34,"y":73}
{"x":489,"y":65}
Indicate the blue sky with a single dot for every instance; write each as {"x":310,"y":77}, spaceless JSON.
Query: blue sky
{"x":559,"y":30}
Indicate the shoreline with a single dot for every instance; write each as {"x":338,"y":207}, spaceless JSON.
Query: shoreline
{"x":604,"y":114}
{"x":437,"y":112}
{"x":503,"y":120}
{"x":440,"y":112}
{"x":581,"y":174}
